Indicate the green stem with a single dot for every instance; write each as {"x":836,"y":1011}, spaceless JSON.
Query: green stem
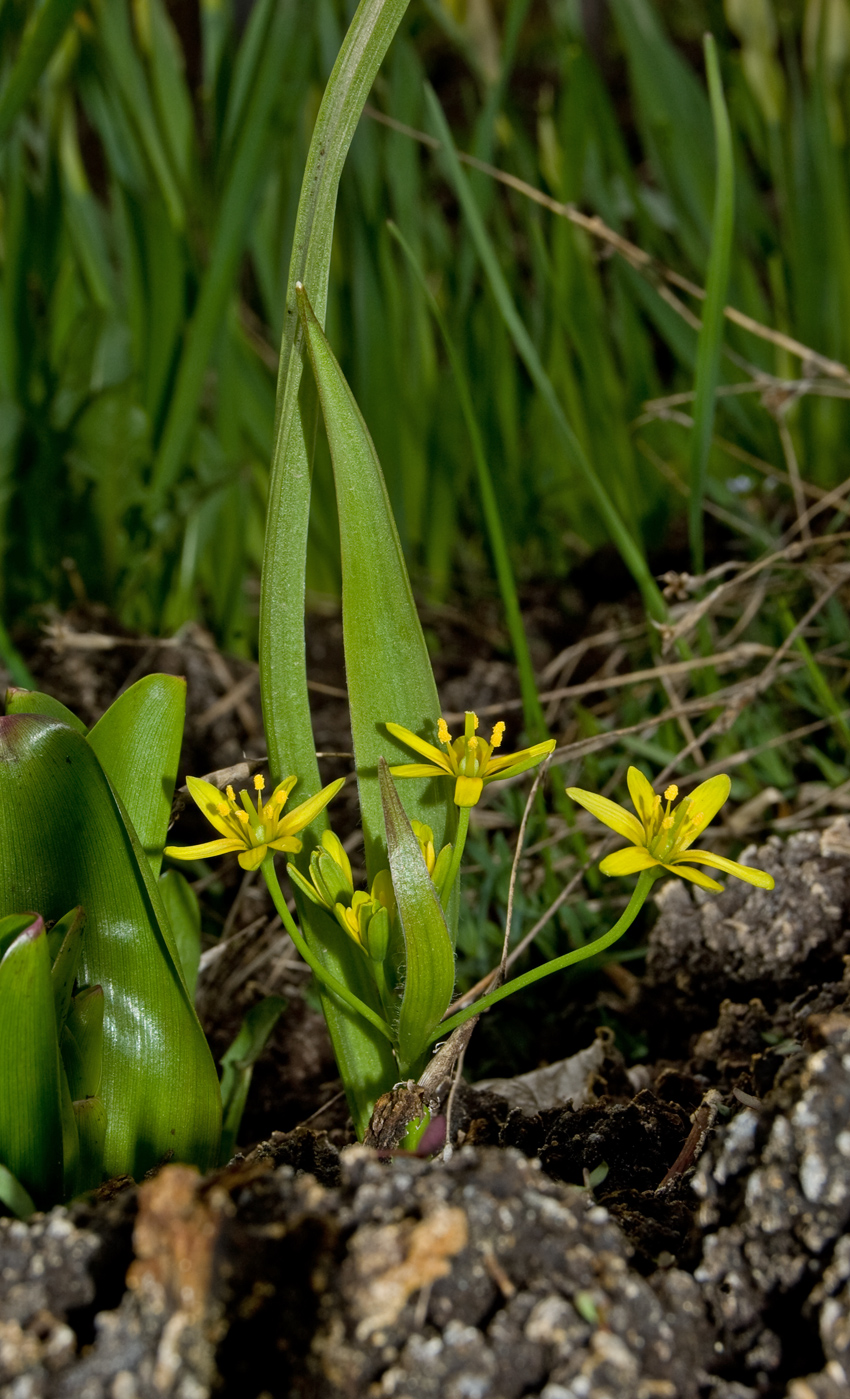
{"x":457,"y":856}
{"x":339,"y":989}
{"x":645,"y":882}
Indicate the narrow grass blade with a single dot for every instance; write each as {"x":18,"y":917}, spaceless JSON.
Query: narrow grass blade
{"x":41,"y":36}
{"x":620,"y":535}
{"x":533,"y":712}
{"x":711,"y":333}
{"x":230,"y":233}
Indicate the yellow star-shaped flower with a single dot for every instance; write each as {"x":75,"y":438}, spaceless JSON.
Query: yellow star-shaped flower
{"x":661,"y":835}
{"x":248,"y":829}
{"x":468,"y":759}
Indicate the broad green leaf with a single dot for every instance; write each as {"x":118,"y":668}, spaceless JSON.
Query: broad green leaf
{"x":20,"y":701}
{"x":184,"y":915}
{"x":64,"y":837}
{"x":30,"y":1119}
{"x":13,"y":1195}
{"x":238,"y":1066}
{"x":363,"y":1055}
{"x":386,"y":660}
{"x":138,"y":745}
{"x":429,"y":958}
{"x":68,"y":934}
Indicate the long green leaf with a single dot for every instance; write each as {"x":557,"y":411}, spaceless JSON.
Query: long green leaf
{"x":41,"y":36}
{"x":65,"y":838}
{"x":137,"y":742}
{"x":620,"y":534}
{"x":429,"y":956}
{"x":30,"y":1118}
{"x":387,"y":667}
{"x":711,"y":333}
{"x":363,"y":1055}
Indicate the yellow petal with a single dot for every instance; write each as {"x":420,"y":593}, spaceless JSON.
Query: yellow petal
{"x":252,"y":859}
{"x":203,"y":852}
{"x":760,"y":878}
{"x":641,"y":793}
{"x":704,"y":802}
{"x":525,"y":758}
{"x":334,"y":847}
{"x":291,"y":843}
{"x":695,"y":877}
{"x":419,"y":745}
{"x":628,"y":861}
{"x":208,"y":798}
{"x":284,"y":788}
{"x":610,"y":813}
{"x":420,"y":770}
{"x":468,"y":791}
{"x":301,"y":816}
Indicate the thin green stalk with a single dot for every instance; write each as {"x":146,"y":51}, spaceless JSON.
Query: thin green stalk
{"x":457,"y":855}
{"x":535,"y":722}
{"x":621,"y":536}
{"x":646,"y":879}
{"x":710,"y":341}
{"x":337,"y":987}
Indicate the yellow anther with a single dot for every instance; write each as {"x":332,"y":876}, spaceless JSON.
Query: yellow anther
{"x":443,"y":731}
{"x":475,"y":721}
{"x":472,"y":745}
{"x":231,"y":795}
{"x":656,"y":803}
{"x":496,"y":735}
{"x":667,"y":823}
{"x":223,"y":809}
{"x":243,"y":817}
{"x":696,"y":819}
{"x":259,"y":782}
{"x":672,"y":793}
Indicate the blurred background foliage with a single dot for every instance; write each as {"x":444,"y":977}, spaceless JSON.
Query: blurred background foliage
{"x":149,"y":181}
